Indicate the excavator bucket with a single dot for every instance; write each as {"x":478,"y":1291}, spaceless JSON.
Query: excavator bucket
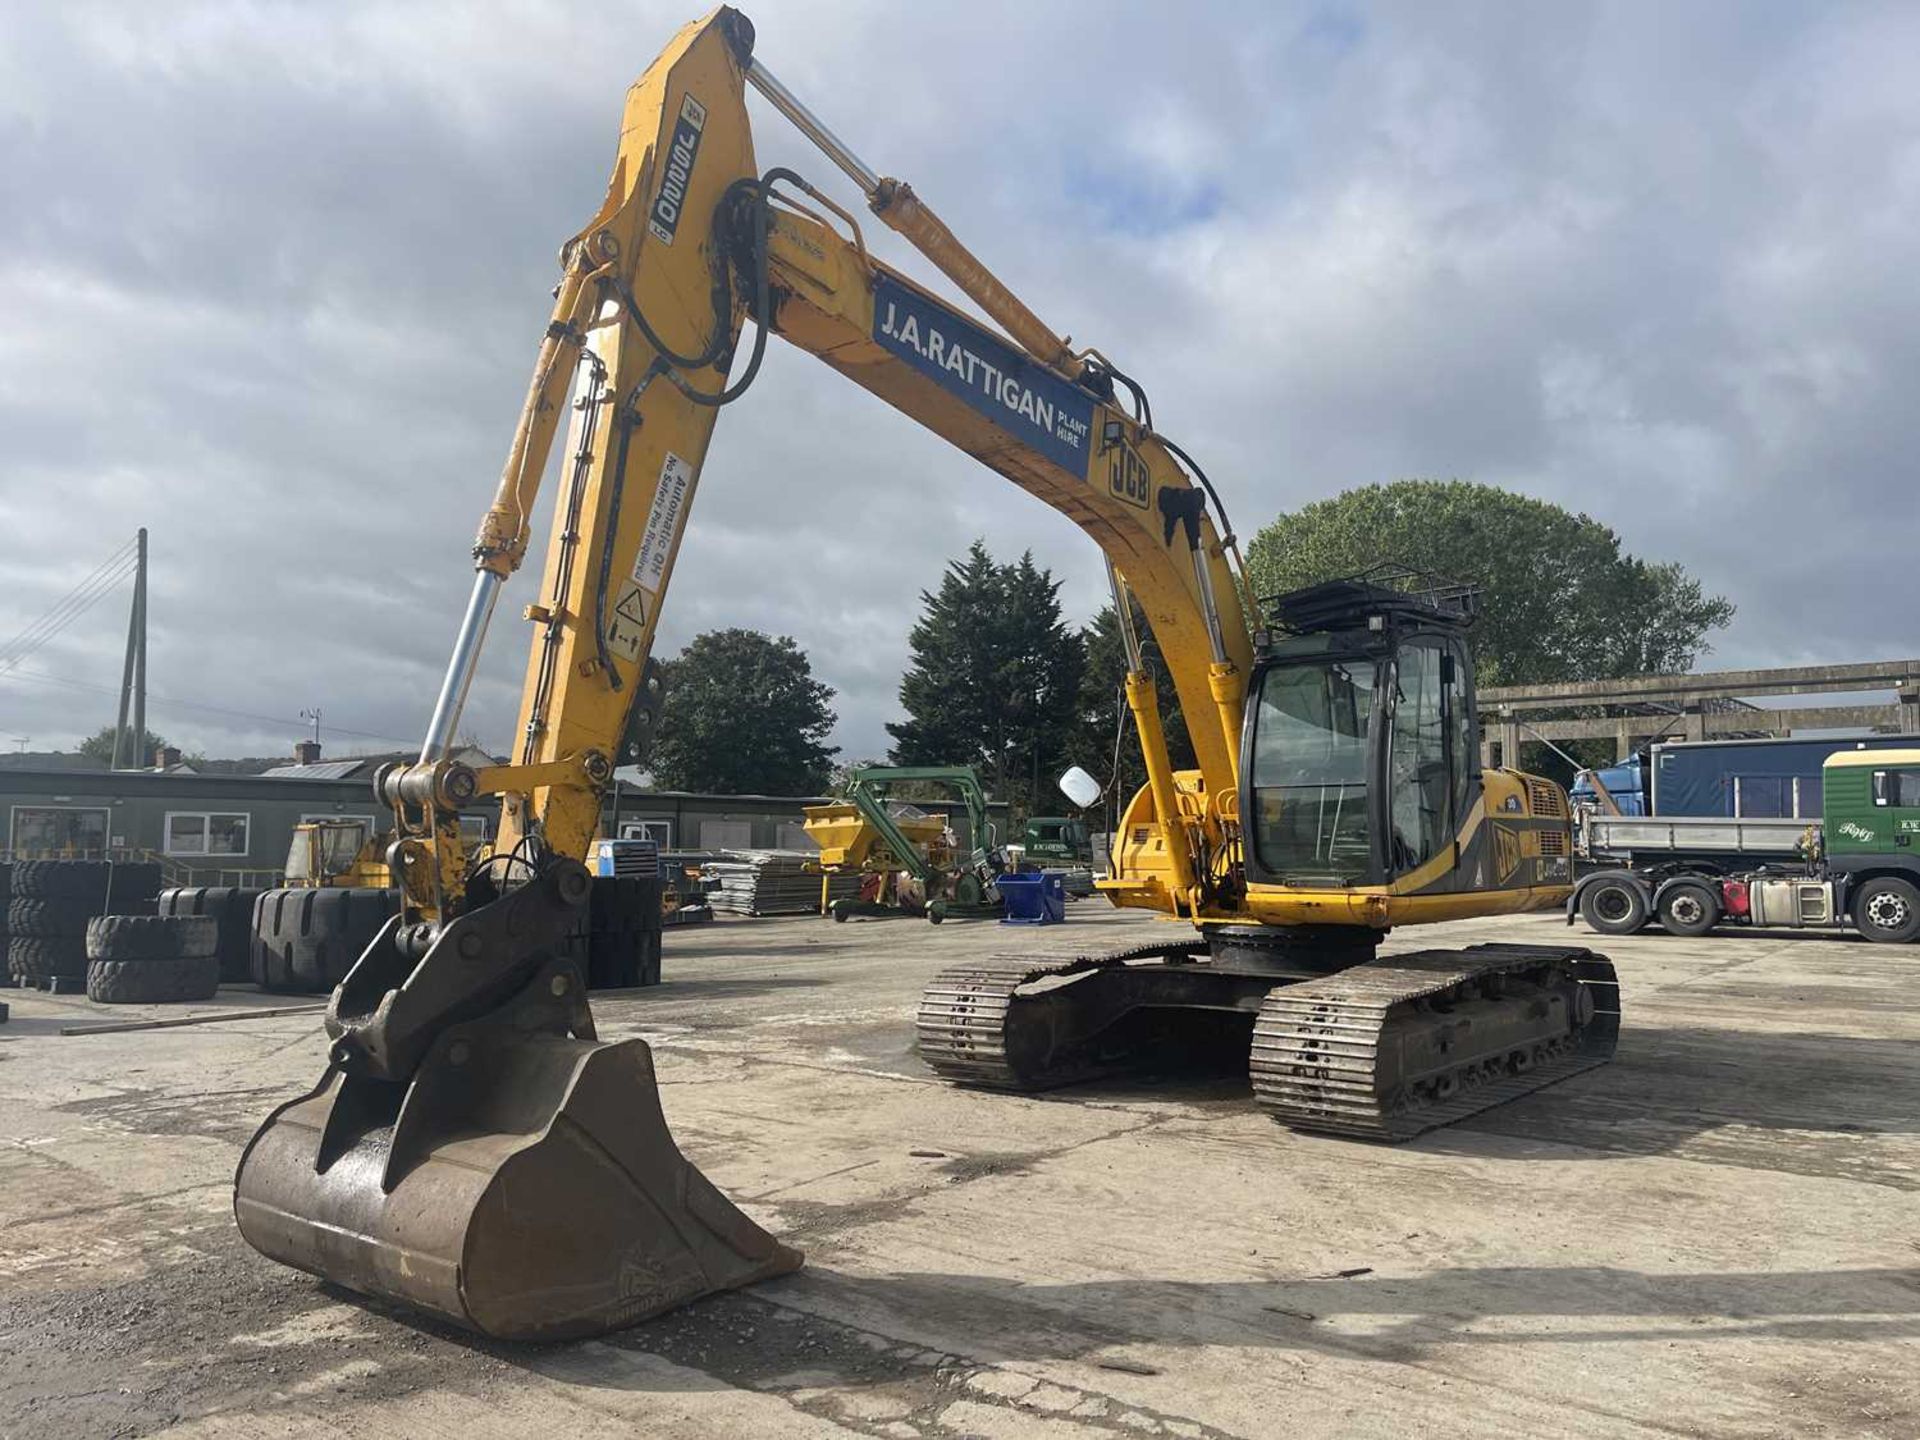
{"x":519,"y":1181}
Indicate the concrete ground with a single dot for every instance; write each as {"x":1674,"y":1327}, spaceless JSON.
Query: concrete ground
{"x":1716,"y":1235}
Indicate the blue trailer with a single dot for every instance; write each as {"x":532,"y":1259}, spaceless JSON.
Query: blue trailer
{"x":1747,"y":779}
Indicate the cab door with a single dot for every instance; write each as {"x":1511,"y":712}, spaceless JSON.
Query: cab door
{"x":1431,"y":768}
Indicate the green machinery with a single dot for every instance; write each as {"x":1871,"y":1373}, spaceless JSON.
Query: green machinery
{"x":1057,"y":840}
{"x":1062,"y":843}
{"x":911,"y":865}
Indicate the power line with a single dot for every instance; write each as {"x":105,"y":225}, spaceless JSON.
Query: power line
{"x":201,"y":705}
{"x":63,"y":610}
{"x":104,"y":579}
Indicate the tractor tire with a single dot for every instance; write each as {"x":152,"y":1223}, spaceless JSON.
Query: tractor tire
{"x":63,"y":918}
{"x":1887,"y":910}
{"x":153,"y":981}
{"x":1614,"y":905}
{"x":151,"y":937}
{"x":1688,"y":909}
{"x":34,"y":958}
{"x":82,"y":880}
{"x":305,"y":940}
{"x":124,"y":889}
{"x":231,"y":909}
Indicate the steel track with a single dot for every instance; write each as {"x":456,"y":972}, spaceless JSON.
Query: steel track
{"x":1318,"y":1044}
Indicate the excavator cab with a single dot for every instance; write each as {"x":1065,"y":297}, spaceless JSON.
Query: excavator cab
{"x":1360,"y":764}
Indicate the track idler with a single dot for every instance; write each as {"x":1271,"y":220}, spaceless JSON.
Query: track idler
{"x":474,"y":1151}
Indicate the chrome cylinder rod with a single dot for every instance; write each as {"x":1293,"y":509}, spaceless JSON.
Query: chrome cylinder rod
{"x":810,"y":125}
{"x":1209,"y":606}
{"x":466,"y":659}
{"x":1123,"y":614}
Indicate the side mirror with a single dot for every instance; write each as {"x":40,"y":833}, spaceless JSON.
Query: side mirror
{"x":1080,"y":787}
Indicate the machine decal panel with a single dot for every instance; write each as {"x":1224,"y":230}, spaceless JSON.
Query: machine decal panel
{"x":1128,"y":478}
{"x":1025,"y":399}
{"x":664,"y":520}
{"x":627,"y":623}
{"x":664,"y":219}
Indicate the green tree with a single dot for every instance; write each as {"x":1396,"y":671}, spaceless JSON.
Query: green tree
{"x":1104,"y":714}
{"x":743,"y":715}
{"x":995,"y":679}
{"x":99,"y":746}
{"x":1562,"y":600}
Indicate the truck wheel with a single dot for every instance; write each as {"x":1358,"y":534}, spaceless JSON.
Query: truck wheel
{"x":1887,"y":910}
{"x":1614,"y":906}
{"x":1688,"y":909}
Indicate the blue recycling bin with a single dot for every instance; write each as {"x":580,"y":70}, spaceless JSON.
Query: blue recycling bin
{"x":1034,"y":899}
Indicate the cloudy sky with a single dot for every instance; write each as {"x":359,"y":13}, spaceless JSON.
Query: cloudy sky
{"x":272,"y":276}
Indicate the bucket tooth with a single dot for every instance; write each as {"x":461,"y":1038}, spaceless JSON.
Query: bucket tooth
{"x":522,"y":1184}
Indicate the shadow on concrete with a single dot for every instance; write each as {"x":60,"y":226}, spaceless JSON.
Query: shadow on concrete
{"x":1799,"y":1103}
{"x":813,"y":949}
{"x":821,"y":1328}
{"x":675,"y":989}
{"x":1666,"y":1088}
{"x":1380,"y":1314}
{"x":21,"y":1026}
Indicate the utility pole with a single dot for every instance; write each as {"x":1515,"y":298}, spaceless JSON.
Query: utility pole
{"x":127,"y":744}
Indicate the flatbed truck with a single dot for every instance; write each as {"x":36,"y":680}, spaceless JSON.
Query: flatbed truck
{"x":1857,"y":865}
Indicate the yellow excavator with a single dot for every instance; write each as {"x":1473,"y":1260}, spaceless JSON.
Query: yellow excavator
{"x":474,"y":1150}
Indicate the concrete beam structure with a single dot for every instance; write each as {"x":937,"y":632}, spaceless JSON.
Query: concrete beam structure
{"x":1743,"y":722}
{"x":1679,"y":707}
{"x":1902,"y":675}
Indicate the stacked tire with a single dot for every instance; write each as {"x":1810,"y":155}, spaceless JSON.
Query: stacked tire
{"x":49,"y":905}
{"x":152,"y":959}
{"x":6,"y":895}
{"x":231,"y":909}
{"x":305,"y":940}
{"x":623,"y":933}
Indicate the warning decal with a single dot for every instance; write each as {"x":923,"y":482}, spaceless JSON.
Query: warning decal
{"x":663,"y":524}
{"x":627,"y":624}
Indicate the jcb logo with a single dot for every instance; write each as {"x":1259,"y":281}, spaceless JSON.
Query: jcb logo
{"x":1127,"y":475}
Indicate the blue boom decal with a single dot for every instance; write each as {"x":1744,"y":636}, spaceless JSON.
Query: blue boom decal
{"x":1027,"y":400}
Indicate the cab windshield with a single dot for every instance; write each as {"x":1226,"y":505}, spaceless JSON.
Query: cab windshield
{"x":339,"y":844}
{"x":1309,"y":777}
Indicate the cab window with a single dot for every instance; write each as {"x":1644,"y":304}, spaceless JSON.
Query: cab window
{"x":1896,"y":787}
{"x":1419,"y":772}
{"x":1309,"y":776}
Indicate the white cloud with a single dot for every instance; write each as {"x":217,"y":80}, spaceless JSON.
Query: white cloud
{"x":273,"y":276}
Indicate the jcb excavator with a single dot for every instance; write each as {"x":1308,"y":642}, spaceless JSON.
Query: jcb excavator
{"x":474,"y":1150}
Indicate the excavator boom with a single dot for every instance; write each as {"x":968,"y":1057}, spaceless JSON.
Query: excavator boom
{"x":474,"y":1149}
